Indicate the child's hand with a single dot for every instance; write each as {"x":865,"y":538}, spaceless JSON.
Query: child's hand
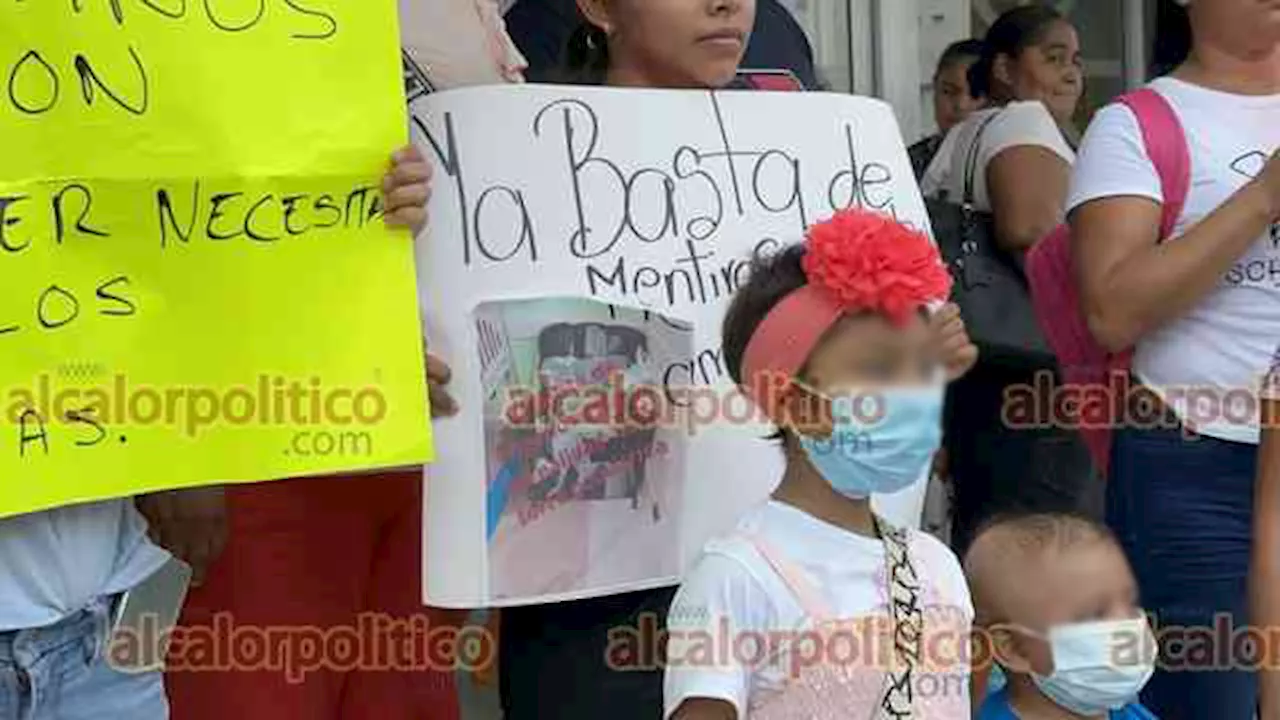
{"x":438,"y":374}
{"x":406,"y":189}
{"x":958,"y":353}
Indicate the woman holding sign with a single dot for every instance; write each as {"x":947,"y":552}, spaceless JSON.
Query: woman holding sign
{"x":554,"y":658}
{"x":290,"y":574}
{"x":346,"y":552}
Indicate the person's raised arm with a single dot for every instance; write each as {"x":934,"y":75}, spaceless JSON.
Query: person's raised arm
{"x":406,"y":188}
{"x":1027,"y":185}
{"x":1264,"y":573}
{"x":1131,"y":284}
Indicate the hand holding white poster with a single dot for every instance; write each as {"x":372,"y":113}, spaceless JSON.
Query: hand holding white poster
{"x":584,"y":244}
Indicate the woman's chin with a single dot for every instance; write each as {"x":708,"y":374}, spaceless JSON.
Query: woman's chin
{"x":1063,"y":111}
{"x":720,"y":76}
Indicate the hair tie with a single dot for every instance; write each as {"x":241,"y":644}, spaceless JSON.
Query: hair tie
{"x":857,"y":261}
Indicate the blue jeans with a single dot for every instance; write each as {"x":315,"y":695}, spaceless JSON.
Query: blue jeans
{"x":1183,"y":507}
{"x":60,"y":672}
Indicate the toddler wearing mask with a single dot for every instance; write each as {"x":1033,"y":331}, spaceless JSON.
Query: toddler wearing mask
{"x":1057,"y":609}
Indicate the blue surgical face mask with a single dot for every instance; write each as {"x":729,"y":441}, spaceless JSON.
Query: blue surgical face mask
{"x":882,"y":440}
{"x":1098,"y":666}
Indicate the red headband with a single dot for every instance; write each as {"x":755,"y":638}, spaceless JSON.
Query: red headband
{"x":857,"y":261}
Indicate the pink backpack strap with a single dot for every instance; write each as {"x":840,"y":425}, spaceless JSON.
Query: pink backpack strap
{"x":1167,"y":146}
{"x":1051,"y":271}
{"x":806,"y":594}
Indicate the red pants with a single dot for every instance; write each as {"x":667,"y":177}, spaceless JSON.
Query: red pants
{"x":312,"y":568}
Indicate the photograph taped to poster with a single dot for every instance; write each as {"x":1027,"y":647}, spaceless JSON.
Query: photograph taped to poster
{"x":649,"y":200}
{"x":583,"y":474}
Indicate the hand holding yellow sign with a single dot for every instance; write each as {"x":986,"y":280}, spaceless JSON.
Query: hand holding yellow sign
{"x":198,"y":283}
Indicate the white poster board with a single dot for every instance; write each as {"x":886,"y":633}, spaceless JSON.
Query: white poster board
{"x":560,"y":215}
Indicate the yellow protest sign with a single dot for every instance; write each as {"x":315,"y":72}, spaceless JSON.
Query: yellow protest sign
{"x":197,"y":283}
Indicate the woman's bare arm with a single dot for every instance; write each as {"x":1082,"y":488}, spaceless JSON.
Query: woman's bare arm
{"x":1025,"y":211}
{"x":1264,"y":573}
{"x":1131,"y":284}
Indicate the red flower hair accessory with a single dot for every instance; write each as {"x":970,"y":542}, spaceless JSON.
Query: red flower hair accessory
{"x":869,"y":261}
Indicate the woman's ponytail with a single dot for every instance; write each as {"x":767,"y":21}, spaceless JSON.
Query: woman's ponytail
{"x":1012,"y":33}
{"x":1173,"y":37}
{"x":586,"y":56}
{"x":979,"y":76}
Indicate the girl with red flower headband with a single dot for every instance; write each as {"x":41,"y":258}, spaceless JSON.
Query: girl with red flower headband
{"x":823,"y":609}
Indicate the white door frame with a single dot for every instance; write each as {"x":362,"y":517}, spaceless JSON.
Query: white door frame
{"x":862,"y":46}
{"x":891,"y":32}
{"x":1136,"y":43}
{"x":884,"y":53}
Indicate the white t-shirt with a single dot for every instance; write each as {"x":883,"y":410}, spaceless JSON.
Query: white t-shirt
{"x":56,"y":562}
{"x":1018,"y":124}
{"x":733,"y":589}
{"x":935,"y":176}
{"x":1225,"y":342}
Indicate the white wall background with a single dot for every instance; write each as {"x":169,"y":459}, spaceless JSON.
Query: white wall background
{"x":889,"y":48}
{"x":942,"y":22}
{"x":885,"y":48}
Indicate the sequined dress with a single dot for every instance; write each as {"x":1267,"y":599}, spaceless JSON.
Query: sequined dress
{"x":842,"y":680}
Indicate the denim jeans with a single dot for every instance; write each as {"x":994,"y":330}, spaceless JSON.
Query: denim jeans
{"x":60,"y":672}
{"x":1182,"y":507}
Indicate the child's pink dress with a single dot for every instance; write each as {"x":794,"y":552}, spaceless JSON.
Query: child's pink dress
{"x":851,"y":686}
